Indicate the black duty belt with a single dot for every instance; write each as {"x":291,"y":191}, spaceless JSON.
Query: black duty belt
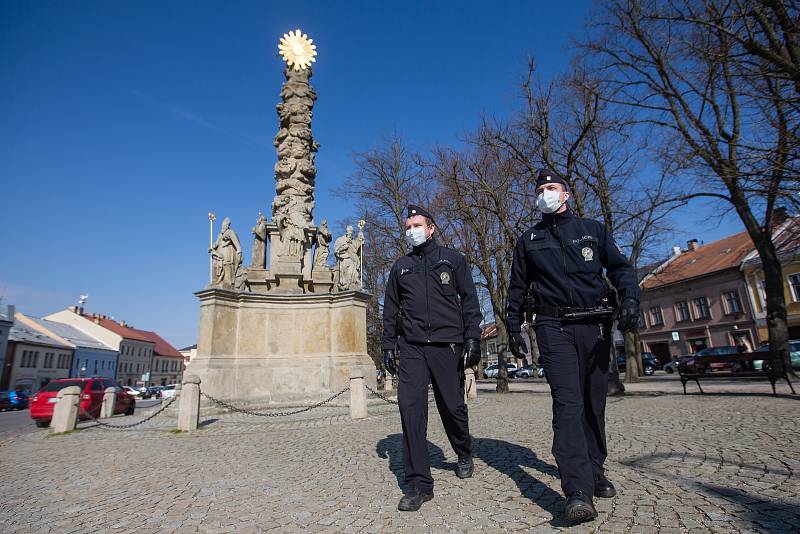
{"x":558,"y":312}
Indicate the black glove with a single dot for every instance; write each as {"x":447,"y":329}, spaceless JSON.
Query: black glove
{"x":629,"y":314}
{"x":472,"y":352}
{"x":517,"y":345}
{"x":388,"y":362}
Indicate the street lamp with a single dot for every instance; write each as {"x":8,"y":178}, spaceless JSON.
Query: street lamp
{"x":211,"y":219}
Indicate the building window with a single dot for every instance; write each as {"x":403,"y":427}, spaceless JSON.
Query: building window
{"x":732,"y":304}
{"x":655,"y":316}
{"x":794,"y":286}
{"x":701,"y":308}
{"x":642,"y":322}
{"x":682,"y":311}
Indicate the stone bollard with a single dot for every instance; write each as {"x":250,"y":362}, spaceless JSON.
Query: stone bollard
{"x":358,"y":396}
{"x":388,"y":382}
{"x":470,"y":385}
{"x":65,"y":414}
{"x":109,"y":401}
{"x":189,"y":411}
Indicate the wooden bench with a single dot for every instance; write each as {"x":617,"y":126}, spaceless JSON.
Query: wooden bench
{"x":740,"y":366}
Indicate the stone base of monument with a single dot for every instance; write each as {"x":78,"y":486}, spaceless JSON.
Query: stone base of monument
{"x":280,"y":349}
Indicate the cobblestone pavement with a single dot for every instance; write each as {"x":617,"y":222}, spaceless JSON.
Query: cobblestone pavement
{"x":713,"y":463}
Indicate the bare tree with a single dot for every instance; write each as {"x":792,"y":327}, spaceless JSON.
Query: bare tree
{"x":484,"y":204}
{"x":385,"y":180}
{"x":731,"y":123}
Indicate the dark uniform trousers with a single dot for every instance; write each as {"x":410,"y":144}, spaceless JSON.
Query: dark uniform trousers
{"x":576,"y":359}
{"x":442,"y":365}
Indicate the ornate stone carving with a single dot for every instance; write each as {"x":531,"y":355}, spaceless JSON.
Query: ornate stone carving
{"x":348,"y":256}
{"x":324,"y":238}
{"x":295,"y":171}
{"x":259,"y":257}
{"x":227,"y":254}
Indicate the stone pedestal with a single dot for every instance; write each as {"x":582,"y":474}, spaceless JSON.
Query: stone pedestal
{"x":65,"y":412}
{"x":109,"y":403}
{"x":280,"y":348}
{"x":189,"y":411}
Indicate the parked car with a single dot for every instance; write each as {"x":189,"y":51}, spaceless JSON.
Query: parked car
{"x":540,"y":372}
{"x":168,"y":391}
{"x":649,"y":363}
{"x":152,"y":391}
{"x":794,"y":354}
{"x":672,"y":365}
{"x":13,"y":400}
{"x":133,"y":392}
{"x":491,"y":371}
{"x":91,"y":399}
{"x":714,"y":351}
{"x":526,"y":372}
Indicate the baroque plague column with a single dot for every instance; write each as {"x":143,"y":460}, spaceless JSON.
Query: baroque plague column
{"x":289,"y":329}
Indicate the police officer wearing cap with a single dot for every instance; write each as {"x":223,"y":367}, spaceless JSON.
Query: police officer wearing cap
{"x":561,"y":261}
{"x":431,"y":326}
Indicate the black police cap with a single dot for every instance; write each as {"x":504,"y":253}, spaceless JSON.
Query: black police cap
{"x":548,"y":176}
{"x":417,"y":210}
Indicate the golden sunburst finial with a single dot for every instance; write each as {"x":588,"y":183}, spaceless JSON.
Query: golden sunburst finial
{"x":297,"y":49}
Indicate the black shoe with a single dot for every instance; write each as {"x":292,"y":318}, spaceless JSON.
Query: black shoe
{"x":412,"y":500}
{"x":579,"y":508}
{"x":465,"y":467}
{"x":603,"y":487}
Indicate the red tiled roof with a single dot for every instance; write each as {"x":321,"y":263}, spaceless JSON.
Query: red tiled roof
{"x":124,"y":331}
{"x":720,"y":255}
{"x":162,"y":347}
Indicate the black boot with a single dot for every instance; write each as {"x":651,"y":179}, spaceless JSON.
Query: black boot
{"x":603,"y":487}
{"x":412,"y":500}
{"x":465,"y":467}
{"x":580,"y":508}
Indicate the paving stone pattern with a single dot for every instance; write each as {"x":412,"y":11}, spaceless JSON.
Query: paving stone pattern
{"x":714,"y":463}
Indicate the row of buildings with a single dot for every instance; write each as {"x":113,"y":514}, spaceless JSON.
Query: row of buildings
{"x":708,"y":295}
{"x":71,"y":343}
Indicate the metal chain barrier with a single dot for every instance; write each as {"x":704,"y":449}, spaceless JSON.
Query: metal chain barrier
{"x":273,"y":414}
{"x":125,"y":427}
{"x":392,"y":401}
{"x":381,"y":396}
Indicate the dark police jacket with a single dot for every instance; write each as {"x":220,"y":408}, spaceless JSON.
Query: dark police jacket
{"x":433,"y":284}
{"x":562,"y":258}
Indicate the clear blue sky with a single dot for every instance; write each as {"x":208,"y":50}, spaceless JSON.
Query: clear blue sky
{"x":123,"y":123}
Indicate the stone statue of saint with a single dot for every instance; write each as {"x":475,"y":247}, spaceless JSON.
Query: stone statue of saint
{"x":227,"y":253}
{"x":348,"y":255}
{"x":324,"y":238}
{"x":259,"y":258}
{"x":293,"y":238}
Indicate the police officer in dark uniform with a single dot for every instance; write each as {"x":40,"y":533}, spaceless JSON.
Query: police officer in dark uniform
{"x":561,"y":261}
{"x":431,"y":324}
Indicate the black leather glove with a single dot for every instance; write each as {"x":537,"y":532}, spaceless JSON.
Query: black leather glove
{"x":629,"y":314}
{"x":517,"y":345}
{"x":388,"y":362}
{"x":472,"y":352}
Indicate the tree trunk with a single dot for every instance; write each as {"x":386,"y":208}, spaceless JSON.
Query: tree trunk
{"x":533,"y":346}
{"x":633,"y":358}
{"x":776,"y":306}
{"x":615,"y":386}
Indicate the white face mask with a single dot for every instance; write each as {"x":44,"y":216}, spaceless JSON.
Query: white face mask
{"x":415,"y":236}
{"x":549,"y":201}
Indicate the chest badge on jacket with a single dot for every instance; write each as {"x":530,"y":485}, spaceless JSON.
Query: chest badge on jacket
{"x":445,"y":276}
{"x":588,"y":253}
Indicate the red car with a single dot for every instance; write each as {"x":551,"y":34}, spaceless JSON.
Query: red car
{"x":92,"y":390}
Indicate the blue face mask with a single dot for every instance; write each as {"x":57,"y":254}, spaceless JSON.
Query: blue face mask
{"x":415,"y":236}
